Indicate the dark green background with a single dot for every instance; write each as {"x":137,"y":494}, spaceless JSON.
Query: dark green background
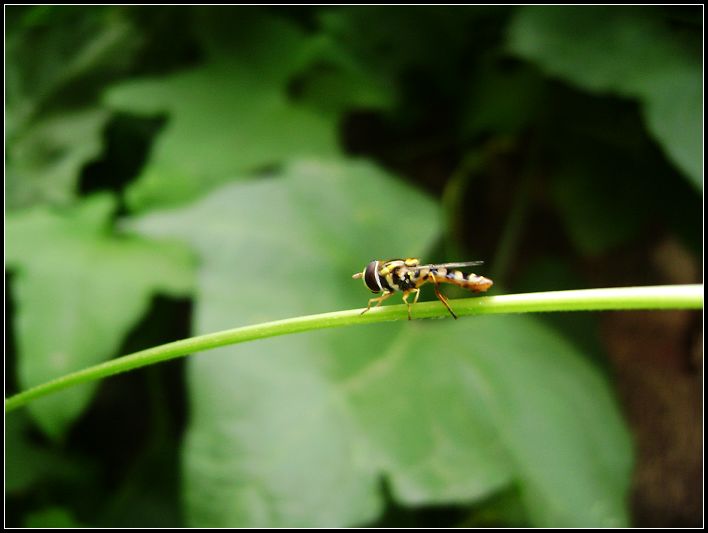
{"x":174,"y":171}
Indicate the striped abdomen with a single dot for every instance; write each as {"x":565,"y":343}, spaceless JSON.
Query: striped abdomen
{"x":471,"y":282}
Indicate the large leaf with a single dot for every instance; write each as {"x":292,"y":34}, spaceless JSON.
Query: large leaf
{"x":78,"y":291}
{"x":54,"y":126}
{"x":296,"y":431}
{"x":228,"y":117}
{"x":630,"y":52}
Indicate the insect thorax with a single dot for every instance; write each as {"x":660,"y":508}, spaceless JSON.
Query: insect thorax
{"x":395,"y":275}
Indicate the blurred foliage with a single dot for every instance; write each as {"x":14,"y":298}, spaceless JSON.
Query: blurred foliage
{"x":65,"y":262}
{"x":59,"y":60}
{"x":391,"y":400}
{"x":235,"y":99}
{"x":663,"y":72}
{"x":209,"y":153}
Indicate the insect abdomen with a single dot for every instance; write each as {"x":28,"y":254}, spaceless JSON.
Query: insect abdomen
{"x":471,"y":282}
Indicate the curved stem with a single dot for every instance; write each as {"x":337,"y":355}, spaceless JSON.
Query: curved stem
{"x":659,"y":297}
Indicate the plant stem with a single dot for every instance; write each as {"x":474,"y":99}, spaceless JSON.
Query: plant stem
{"x":625,"y":298}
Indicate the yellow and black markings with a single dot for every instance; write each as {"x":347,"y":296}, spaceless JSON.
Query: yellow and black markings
{"x":407,"y":275}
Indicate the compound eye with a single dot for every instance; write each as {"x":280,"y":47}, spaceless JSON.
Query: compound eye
{"x":371,"y":277}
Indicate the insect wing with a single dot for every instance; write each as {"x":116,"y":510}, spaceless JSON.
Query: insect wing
{"x":447,"y":265}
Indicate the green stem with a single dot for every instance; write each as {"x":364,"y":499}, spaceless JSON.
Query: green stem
{"x":660,"y":297}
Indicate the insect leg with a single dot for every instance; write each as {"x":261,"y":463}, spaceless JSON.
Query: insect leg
{"x":431,"y":277}
{"x":380,"y":299}
{"x":415,"y":300}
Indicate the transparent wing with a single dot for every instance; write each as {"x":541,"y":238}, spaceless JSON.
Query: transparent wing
{"x":447,"y":265}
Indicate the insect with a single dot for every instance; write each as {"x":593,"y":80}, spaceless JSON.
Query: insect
{"x":407,"y":275}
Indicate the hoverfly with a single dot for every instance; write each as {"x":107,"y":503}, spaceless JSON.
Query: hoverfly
{"x":407,"y":275}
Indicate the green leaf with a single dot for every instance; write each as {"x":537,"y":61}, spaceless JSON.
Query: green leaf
{"x":394,"y":42}
{"x":297,"y":431}
{"x":44,"y":161}
{"x":79,"y":290}
{"x":315,"y":67}
{"x":29,"y":463}
{"x":558,"y":420}
{"x":334,"y":80}
{"x":224,"y":122}
{"x":627,"y":51}
{"x":54,"y":126}
{"x":45,"y":62}
{"x":227,"y":118}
